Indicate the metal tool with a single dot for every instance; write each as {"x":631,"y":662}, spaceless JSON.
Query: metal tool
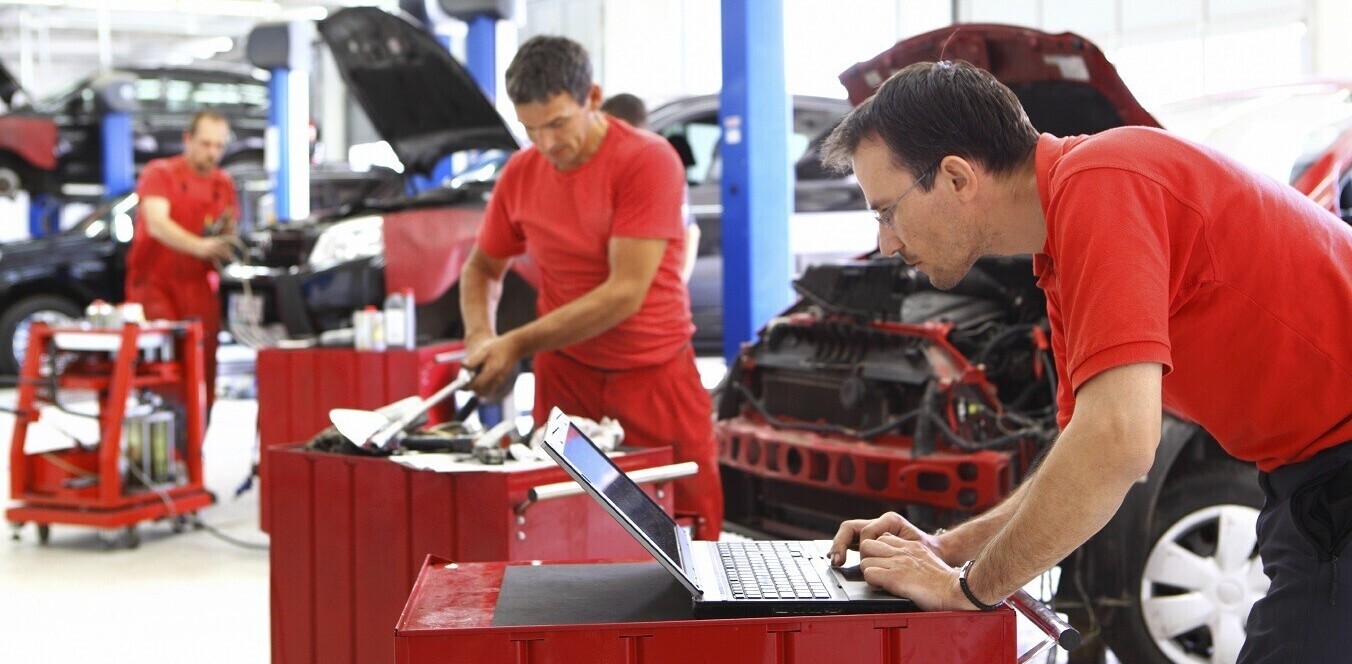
{"x":379,"y":430}
{"x":1058,"y":631}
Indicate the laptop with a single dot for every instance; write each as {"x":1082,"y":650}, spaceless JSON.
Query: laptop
{"x":725,"y":579}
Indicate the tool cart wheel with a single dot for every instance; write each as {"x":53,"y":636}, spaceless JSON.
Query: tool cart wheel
{"x":180,"y":523}
{"x":14,"y":529}
{"x":131,"y":535}
{"x":1201,"y":571}
{"x":44,"y":533}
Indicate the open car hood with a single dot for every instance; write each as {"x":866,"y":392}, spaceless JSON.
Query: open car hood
{"x":1064,"y":82}
{"x":420,"y":99}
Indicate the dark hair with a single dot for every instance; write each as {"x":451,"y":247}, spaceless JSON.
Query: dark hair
{"x":546,"y":65}
{"x":627,"y":107}
{"x":204,"y":114}
{"x":930,"y":110}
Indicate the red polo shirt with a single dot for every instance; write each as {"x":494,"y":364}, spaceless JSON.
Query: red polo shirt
{"x":1160,"y":250}
{"x":632,"y":187}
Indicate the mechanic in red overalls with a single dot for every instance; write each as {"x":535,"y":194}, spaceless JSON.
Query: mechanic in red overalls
{"x":172,"y":254}
{"x":596,"y":204}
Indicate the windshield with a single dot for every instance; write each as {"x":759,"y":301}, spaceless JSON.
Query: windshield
{"x":57,"y":101}
{"x":1278,"y":131}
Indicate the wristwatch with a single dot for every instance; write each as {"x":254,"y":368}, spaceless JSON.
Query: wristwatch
{"x":967,"y":590}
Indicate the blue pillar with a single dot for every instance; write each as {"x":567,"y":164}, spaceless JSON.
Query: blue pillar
{"x":284,"y":50}
{"x":277,"y":112}
{"x":40,"y":210}
{"x":481,"y":52}
{"x":757,"y":186}
{"x":119,"y":169}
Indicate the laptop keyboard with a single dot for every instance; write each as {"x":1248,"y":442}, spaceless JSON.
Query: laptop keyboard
{"x":771,"y":570}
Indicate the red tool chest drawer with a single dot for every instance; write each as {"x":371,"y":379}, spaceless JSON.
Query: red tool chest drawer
{"x":349,"y":534}
{"x":449,"y":619}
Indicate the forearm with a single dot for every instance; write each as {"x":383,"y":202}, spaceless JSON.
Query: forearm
{"x":1079,"y":487}
{"x":171,"y":234}
{"x":965,"y":541}
{"x":599,"y":310}
{"x":480,"y":293}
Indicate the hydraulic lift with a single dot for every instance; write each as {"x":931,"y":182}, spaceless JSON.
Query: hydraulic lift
{"x":147,"y":463}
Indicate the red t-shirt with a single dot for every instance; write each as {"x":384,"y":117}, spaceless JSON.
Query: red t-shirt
{"x":632,"y":187}
{"x":193,"y":198}
{"x":1160,"y":250}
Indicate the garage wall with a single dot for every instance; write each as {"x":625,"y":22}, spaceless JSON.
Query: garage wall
{"x":663,"y":49}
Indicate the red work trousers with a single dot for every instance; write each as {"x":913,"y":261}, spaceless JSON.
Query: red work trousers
{"x":183,"y":301}
{"x":658,"y":406}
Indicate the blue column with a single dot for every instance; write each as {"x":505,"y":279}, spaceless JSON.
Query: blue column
{"x":41,"y":207}
{"x":757,"y":186}
{"x":481,"y":52}
{"x":278,"y":100}
{"x":119,"y":169}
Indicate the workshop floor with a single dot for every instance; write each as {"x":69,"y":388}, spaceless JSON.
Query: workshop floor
{"x":190,"y":597}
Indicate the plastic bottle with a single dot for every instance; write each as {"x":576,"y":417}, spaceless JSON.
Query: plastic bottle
{"x":401,"y":330}
{"x":376,"y":321}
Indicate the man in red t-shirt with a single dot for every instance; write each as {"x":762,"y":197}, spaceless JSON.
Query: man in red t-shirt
{"x":185,"y":223}
{"x":1175,"y":277}
{"x":596,"y":205}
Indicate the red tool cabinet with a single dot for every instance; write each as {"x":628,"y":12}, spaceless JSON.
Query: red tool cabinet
{"x":298,"y":387}
{"x":349,"y":534}
{"x":92,"y":485}
{"x":449,"y":620}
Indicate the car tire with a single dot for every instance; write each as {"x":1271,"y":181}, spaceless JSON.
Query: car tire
{"x":1200,"y":571}
{"x":15,"y":320}
{"x":15,"y":176}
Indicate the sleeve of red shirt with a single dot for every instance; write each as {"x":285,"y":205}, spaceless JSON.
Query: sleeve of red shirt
{"x":1112,"y":263}
{"x":500,"y":236}
{"x":649,"y":197}
{"x":155,"y":181}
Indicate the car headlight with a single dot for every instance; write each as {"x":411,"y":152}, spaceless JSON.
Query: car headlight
{"x":349,"y":240}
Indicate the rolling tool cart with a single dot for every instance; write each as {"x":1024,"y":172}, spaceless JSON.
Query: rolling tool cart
{"x":147,"y":463}
{"x":525,"y":612}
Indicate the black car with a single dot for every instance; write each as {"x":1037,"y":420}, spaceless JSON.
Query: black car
{"x":53,"y":279}
{"x":424,"y":103}
{"x":52,"y":143}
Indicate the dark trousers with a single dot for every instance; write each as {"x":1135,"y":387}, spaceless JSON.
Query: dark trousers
{"x":1303,"y":534}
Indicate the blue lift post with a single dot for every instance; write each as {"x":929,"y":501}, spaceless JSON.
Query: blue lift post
{"x":481,"y":61}
{"x":482,"y":16}
{"x":757,"y":186}
{"x":284,"y":50}
{"x":116,"y":101}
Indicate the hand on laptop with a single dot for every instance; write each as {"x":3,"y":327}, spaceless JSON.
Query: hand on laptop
{"x":853,"y":532}
{"x":907,"y":568}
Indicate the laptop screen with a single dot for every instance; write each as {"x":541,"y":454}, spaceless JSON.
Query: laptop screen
{"x":599,"y":472}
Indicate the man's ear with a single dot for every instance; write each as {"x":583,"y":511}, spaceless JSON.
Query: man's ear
{"x":594,"y":98}
{"x":959,"y":176}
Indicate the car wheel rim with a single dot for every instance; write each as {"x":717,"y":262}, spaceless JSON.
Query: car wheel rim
{"x":52,"y":318}
{"x":9,"y":182}
{"x":1200,"y":582}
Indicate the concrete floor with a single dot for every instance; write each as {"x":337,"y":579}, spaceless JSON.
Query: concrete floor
{"x":188,"y":597}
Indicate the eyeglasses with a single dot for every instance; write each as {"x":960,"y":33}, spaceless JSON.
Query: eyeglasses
{"x":883,"y":215}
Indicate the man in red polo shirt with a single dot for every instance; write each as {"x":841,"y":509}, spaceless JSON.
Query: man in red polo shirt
{"x":170,"y":257}
{"x":1175,"y":277}
{"x":596,"y":204}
